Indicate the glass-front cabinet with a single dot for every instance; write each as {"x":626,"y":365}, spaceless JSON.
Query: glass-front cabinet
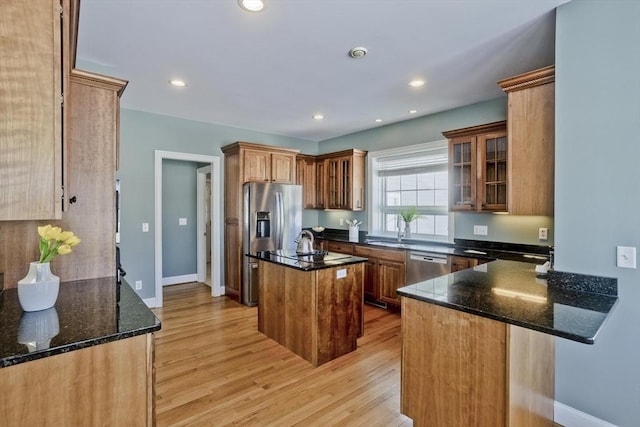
{"x":478,"y":168}
{"x":494,"y":168}
{"x":462,"y":173}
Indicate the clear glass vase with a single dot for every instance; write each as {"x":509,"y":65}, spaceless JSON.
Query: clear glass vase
{"x":38,"y":290}
{"x":407,"y":230}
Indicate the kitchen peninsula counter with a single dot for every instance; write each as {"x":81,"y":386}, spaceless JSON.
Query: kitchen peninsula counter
{"x":88,"y":359}
{"x":312,"y":307}
{"x":478,"y":344}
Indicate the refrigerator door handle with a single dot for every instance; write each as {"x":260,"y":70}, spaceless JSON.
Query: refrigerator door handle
{"x":279,"y":219}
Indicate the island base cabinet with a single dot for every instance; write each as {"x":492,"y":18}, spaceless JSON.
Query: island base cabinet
{"x":109,"y":384}
{"x":459,"y":369}
{"x":315,"y":314}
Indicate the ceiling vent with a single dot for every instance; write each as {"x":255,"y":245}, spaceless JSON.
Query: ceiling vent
{"x":358,"y":52}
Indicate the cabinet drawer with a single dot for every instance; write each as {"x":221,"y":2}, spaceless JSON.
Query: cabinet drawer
{"x":397,"y":255}
{"x":340,"y":247}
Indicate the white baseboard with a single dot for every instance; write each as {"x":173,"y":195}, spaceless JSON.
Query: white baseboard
{"x":150,"y":302}
{"x":179,"y":279}
{"x":569,"y":417}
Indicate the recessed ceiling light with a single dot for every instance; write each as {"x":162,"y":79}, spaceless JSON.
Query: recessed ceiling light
{"x":251,"y":5}
{"x":413,"y":111}
{"x":416,"y":83}
{"x":378,"y":120}
{"x":318,"y":116}
{"x":358,"y":52}
{"x":178,"y":83}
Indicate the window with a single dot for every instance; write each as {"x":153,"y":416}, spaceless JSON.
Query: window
{"x":407,"y":177}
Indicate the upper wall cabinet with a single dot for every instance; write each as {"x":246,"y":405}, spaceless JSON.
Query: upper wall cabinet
{"x":491,"y":170}
{"x":31,"y":106}
{"x":268,"y":165}
{"x":530,"y":129}
{"x":478,"y":178}
{"x":306,"y":171}
{"x":344,"y":179}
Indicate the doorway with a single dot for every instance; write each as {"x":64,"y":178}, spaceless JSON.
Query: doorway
{"x":204,"y":224}
{"x":215,"y":234}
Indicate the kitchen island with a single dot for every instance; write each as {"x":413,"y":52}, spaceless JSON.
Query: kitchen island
{"x":478,"y":344}
{"x":86,"y":361}
{"x":313,"y":304}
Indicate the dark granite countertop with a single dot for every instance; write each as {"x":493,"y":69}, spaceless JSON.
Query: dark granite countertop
{"x":307,"y":262}
{"x":461,"y":247}
{"x":86,"y":313}
{"x":567,"y":305}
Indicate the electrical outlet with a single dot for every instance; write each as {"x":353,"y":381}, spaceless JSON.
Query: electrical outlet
{"x":138,"y":285}
{"x":543,"y":233}
{"x":626,"y":256}
{"x":145,"y":227}
{"x":341,"y":221}
{"x":182,"y":221}
{"x":480,"y":230}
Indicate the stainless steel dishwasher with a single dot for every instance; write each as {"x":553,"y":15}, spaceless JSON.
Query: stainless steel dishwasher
{"x":426,"y":265}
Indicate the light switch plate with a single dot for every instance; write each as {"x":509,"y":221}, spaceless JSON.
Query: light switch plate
{"x":145,"y":227}
{"x":182,"y":221}
{"x":626,"y":256}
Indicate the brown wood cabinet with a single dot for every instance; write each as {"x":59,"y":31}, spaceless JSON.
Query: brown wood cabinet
{"x":478,"y":178}
{"x":385,"y":272}
{"x":316,"y":314}
{"x":531,"y":130}
{"x":340,"y":247}
{"x":462,"y":263}
{"x":106,"y":384}
{"x":306,"y":175}
{"x":333,"y":180}
{"x":345,"y":180}
{"x":91,"y":130}
{"x":262,"y":165}
{"x":247,"y":162}
{"x":460,"y":369}
{"x":31,"y":105}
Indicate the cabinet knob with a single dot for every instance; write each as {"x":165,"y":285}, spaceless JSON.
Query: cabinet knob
{"x":73,"y":200}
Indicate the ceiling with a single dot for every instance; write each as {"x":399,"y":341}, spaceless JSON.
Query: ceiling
{"x":272,"y":71}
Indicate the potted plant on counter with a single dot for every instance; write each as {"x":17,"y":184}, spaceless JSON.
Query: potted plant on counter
{"x":408,"y":215}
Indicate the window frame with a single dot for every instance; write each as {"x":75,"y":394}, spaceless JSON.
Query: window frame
{"x":376,"y":193}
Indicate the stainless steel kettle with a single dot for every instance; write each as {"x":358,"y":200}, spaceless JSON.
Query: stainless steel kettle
{"x":305,"y":244}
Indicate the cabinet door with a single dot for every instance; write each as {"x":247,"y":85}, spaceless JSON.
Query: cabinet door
{"x":391,"y":276}
{"x":321,"y":187}
{"x":30,"y":102}
{"x":232,"y":259}
{"x":371,"y":288}
{"x":283,"y":168}
{"x":257,"y":166}
{"x":339,"y":175}
{"x":493,"y":153}
{"x":92,"y":105}
{"x":340,"y":247}
{"x":462,"y":263}
{"x":310,"y":184}
{"x":462,"y":174}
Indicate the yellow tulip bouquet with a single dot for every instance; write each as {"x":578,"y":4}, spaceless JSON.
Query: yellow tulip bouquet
{"x":54,"y":241}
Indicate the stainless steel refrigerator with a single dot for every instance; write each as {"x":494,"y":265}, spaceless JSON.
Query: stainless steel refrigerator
{"x":272,"y":221}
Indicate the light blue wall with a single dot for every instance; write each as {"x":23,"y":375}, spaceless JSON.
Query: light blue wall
{"x":141,"y":134}
{"x":179,"y":200}
{"x":598,"y":195}
{"x":504,"y":228}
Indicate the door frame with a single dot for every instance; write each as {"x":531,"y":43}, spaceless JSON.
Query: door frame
{"x":216,"y":229}
{"x":201,"y":183}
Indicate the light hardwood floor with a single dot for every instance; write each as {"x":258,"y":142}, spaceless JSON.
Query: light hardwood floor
{"x":213,"y":368}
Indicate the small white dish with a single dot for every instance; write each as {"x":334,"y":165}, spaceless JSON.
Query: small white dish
{"x":318,"y":229}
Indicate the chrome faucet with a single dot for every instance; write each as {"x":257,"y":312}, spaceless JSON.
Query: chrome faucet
{"x":399,"y":222}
